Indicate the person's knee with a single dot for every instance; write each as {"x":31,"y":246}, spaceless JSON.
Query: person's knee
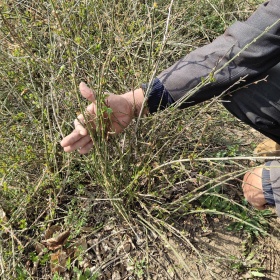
{"x":252,"y":188}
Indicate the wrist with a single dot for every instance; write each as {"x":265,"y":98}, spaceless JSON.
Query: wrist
{"x":136,"y":98}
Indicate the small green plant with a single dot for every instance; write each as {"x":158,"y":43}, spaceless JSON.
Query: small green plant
{"x":250,"y":265}
{"x":139,"y":268}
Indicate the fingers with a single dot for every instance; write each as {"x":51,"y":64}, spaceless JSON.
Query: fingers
{"x":75,"y":141}
{"x":79,"y":125}
{"x":78,"y":144}
{"x":85,"y":149}
{"x":86,"y":92}
{"x":78,"y":133}
{"x":80,"y":138}
{"x":71,"y":139}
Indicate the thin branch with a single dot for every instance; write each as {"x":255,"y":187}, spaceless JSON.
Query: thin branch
{"x":214,"y":159}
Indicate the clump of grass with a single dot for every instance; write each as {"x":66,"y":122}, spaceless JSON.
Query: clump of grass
{"x":140,"y":177}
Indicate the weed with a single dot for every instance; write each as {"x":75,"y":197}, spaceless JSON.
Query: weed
{"x":154,"y":180}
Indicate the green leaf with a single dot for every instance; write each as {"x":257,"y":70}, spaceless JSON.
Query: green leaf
{"x":257,"y":274}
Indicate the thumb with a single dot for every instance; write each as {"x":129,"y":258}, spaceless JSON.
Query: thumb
{"x":86,"y":92}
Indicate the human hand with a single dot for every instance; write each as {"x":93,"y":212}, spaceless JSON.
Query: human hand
{"x":118,"y":119}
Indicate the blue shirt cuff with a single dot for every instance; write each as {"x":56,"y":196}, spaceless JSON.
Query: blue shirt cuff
{"x":266,"y":185}
{"x":158,"y":97}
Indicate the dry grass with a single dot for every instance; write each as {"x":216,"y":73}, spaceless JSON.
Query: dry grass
{"x":134,"y":207}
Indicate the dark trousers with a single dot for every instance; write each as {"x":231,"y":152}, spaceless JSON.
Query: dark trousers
{"x":258,"y":103}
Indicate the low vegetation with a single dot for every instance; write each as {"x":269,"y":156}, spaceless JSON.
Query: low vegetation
{"x":162,"y":200}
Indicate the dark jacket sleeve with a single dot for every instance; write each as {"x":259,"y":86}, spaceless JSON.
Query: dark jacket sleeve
{"x":260,"y":56}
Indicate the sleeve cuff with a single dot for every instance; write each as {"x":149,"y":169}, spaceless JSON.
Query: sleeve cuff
{"x":266,"y":184}
{"x":158,"y":97}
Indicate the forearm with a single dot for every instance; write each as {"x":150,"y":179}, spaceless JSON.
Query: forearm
{"x":258,"y":57}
